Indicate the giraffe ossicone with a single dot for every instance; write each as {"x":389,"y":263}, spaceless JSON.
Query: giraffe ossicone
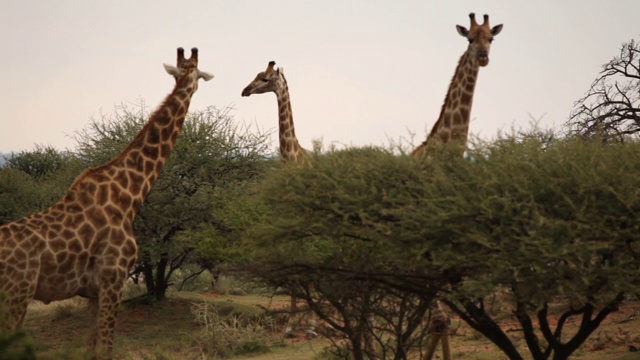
{"x":84,"y":244}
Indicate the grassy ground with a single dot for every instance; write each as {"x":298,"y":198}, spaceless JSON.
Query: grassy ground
{"x":168,"y":330}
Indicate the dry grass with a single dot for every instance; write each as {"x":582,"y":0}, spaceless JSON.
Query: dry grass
{"x":170,"y":330}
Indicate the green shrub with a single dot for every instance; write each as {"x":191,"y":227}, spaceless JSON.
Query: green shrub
{"x":543,"y":219}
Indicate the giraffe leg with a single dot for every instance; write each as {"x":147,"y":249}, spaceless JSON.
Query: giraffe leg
{"x":440,"y":329}
{"x":15,"y":296}
{"x":13,"y":307}
{"x":293,"y":310}
{"x":446,"y":345}
{"x":107,"y":311}
{"x":369,"y":344}
{"x":432,"y":345}
{"x":108,"y":302}
{"x":93,"y":322}
{"x":443,"y":324}
{"x":311,"y":325}
{"x":15,"y":311}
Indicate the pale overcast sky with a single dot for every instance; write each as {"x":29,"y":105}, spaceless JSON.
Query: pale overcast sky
{"x":359,"y":71}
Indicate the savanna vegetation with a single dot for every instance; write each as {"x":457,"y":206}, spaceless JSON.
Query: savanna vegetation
{"x":369,"y":237}
{"x":532,"y":239}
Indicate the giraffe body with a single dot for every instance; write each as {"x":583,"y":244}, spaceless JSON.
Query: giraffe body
{"x":273,"y":80}
{"x":84,"y":244}
{"x":452,"y":127}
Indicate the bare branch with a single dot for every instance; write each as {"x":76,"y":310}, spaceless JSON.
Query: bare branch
{"x":610,"y":109}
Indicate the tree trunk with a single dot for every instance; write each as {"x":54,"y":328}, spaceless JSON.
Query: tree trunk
{"x":147,"y":270}
{"x":160,"y":290}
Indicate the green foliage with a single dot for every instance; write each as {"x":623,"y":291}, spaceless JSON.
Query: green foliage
{"x":554,"y":223}
{"x":16,"y":345}
{"x":341,"y":235}
{"x":18,"y":194}
{"x":547,"y":219}
{"x":560,"y":221}
{"x":38,"y":163}
{"x":352,"y":210}
{"x":220,"y":242}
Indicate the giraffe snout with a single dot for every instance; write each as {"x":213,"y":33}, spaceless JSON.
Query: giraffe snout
{"x":246,"y":91}
{"x":483,"y":58}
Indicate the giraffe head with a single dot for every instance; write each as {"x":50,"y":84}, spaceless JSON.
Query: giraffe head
{"x":185,"y":65}
{"x":480,"y":37}
{"x":266,"y":81}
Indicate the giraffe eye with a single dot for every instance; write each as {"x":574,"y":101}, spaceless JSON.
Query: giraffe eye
{"x":265,"y":79}
{"x":470,"y":41}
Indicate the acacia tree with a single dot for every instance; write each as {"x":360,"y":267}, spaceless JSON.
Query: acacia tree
{"x":552,"y":224}
{"x":337,"y":236}
{"x":534,"y":220}
{"x":212,"y":157}
{"x":611,"y":107}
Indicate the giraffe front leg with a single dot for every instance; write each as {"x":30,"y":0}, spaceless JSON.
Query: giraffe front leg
{"x":106,"y":310}
{"x":311,"y":325}
{"x":93,"y":323}
{"x":13,"y":313}
{"x":13,"y":305}
{"x":15,"y":297}
{"x":293,"y":310}
{"x":106,"y":322}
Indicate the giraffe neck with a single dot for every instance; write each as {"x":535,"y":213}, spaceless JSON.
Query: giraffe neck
{"x":453,"y":122}
{"x":131,"y":174}
{"x":290,"y":149}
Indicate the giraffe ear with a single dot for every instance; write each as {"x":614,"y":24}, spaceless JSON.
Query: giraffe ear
{"x":496,"y":30}
{"x":204,"y":75}
{"x":462,"y":30}
{"x":172,"y":70}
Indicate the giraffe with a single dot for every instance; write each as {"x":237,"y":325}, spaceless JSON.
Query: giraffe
{"x":453,"y":122}
{"x":273,"y":80}
{"x":453,"y":127}
{"x":84,"y":244}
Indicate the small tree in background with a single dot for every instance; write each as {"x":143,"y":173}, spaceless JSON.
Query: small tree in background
{"x":611,"y":107}
{"x":18,"y":195}
{"x":40,"y":162}
{"x":31,"y":181}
